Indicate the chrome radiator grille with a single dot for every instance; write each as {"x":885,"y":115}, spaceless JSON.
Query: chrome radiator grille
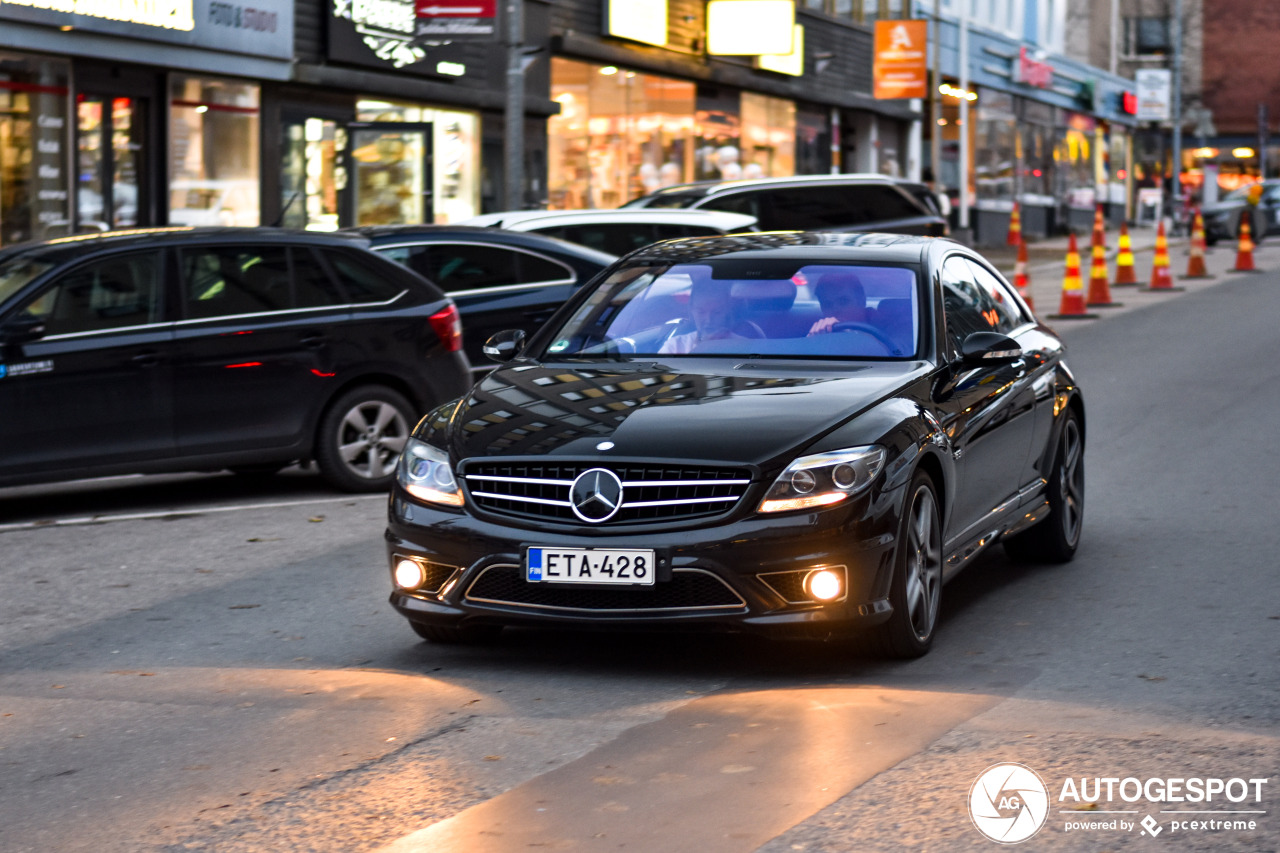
{"x":649,"y":492}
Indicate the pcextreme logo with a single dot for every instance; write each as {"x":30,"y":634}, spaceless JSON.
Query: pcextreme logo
{"x":1008,"y":803}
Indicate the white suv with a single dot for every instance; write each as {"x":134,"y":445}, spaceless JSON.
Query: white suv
{"x":618,"y":231}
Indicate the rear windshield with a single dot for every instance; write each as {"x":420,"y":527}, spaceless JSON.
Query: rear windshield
{"x":738,"y":307}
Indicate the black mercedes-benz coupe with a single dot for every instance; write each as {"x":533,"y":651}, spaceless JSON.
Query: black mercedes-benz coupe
{"x":793,"y":433}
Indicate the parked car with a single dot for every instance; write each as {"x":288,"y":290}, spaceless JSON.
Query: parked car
{"x":1222,"y":219}
{"x":498,"y":279}
{"x":173,"y":349}
{"x":854,"y":202}
{"x":795,"y":434}
{"x":619,"y":230}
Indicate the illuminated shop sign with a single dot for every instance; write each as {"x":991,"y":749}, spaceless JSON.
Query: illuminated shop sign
{"x":788,"y":63}
{"x":638,"y":20}
{"x":386,"y":34}
{"x":1033,"y":73}
{"x":169,"y":14}
{"x":750,"y":27}
{"x":257,"y":27}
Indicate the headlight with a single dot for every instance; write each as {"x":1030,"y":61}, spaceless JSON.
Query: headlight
{"x":824,"y":479}
{"x":424,"y":472}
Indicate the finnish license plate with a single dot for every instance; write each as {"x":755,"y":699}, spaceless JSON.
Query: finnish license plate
{"x":627,"y":566}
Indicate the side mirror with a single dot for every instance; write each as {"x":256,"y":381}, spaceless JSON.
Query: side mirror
{"x":989,"y":349}
{"x":504,"y":346}
{"x":22,"y":329}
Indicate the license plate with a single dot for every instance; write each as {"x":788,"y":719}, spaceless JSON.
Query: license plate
{"x":627,"y":566}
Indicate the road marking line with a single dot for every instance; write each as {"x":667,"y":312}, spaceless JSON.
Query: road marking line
{"x":169,"y":513}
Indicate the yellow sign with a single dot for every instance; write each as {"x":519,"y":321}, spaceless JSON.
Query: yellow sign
{"x":750,"y":27}
{"x":900,"y":69}
{"x":788,"y":63}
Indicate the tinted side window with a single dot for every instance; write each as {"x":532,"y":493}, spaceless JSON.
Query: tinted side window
{"x":312,"y":285}
{"x":999,"y":298}
{"x":535,"y":268}
{"x":219,"y":281}
{"x":361,"y":280}
{"x":101,"y":295}
{"x":457,"y":267}
{"x":967,"y":306}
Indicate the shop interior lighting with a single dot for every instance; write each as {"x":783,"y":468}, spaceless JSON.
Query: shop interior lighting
{"x":956,"y":92}
{"x":1206,"y":153}
{"x":609,"y":71}
{"x":1242,"y":153}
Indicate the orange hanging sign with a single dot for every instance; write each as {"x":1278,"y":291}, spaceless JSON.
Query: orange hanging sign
{"x":900,"y":69}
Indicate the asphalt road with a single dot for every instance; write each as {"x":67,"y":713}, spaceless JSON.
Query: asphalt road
{"x":193,"y":664}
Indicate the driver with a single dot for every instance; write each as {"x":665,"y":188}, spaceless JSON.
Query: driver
{"x":842,"y":298}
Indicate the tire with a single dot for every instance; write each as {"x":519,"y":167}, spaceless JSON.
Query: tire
{"x":457,"y":635}
{"x":915,"y":591}
{"x":1055,"y":538}
{"x":360,"y":438}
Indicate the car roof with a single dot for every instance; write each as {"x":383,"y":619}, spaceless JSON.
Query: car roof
{"x":87,"y":244}
{"x":382,"y":234}
{"x":712,"y":218}
{"x":713,"y":187}
{"x":802,"y":245}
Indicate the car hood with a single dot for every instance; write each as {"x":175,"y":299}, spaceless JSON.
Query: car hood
{"x":749,"y":413}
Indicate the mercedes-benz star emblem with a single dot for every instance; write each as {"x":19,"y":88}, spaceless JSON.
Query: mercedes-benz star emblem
{"x":596,"y":495}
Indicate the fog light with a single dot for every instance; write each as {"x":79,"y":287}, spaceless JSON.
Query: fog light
{"x":409,"y":575}
{"x":824,"y":585}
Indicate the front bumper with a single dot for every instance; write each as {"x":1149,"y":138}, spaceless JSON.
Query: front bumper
{"x":740,"y":575}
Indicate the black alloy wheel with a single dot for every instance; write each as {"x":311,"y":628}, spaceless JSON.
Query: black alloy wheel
{"x":360,"y":438}
{"x":1055,"y":538}
{"x":916,"y":589}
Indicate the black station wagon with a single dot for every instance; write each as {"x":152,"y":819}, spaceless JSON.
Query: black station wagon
{"x":201,"y":349}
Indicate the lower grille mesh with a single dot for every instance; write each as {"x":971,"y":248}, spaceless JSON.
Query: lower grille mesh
{"x":688,"y":589}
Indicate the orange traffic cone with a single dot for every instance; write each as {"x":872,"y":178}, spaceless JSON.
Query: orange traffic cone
{"x":1020,"y":280}
{"x":1072,"y":307}
{"x":1125,"y":274}
{"x":1160,"y":277}
{"x":1099,"y":290}
{"x":1195,"y":264}
{"x":1244,"y":248}
{"x":1015,"y":226}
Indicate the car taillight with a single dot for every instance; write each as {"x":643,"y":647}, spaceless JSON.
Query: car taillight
{"x":448,"y":327}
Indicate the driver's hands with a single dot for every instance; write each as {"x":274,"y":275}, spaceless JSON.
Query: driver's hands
{"x":823,"y":325}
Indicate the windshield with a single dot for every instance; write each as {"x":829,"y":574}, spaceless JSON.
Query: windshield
{"x":16,"y":273}
{"x":741,"y":307}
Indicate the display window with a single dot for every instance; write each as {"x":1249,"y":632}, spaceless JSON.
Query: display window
{"x":214,"y":152}
{"x":35,"y":128}
{"x":620,"y":134}
{"x":768,"y":138}
{"x":995,"y":146}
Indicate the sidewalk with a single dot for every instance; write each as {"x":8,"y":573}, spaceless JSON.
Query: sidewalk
{"x":1046,"y":267}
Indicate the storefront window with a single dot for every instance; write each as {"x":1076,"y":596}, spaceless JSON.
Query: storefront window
{"x":1036,"y":138}
{"x":717,"y":116}
{"x":768,"y":138}
{"x":455,"y":145}
{"x":34,"y":125}
{"x":994,"y":153}
{"x":619,"y":134}
{"x":213,"y":170}
{"x":312,"y":175}
{"x":1076,"y":169}
{"x":813,"y":141}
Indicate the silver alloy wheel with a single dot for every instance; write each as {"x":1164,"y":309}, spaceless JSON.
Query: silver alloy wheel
{"x":370,"y":438}
{"x":1071,"y":482}
{"x":924,"y":564}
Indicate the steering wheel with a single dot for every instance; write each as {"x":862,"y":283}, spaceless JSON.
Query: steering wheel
{"x":889,"y":346}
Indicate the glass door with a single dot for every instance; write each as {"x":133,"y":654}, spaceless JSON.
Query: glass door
{"x":314,"y":173}
{"x":389,"y":173}
{"x":110,"y":162}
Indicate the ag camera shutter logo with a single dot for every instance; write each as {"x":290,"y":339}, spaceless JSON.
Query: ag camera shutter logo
{"x":1008,"y":803}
